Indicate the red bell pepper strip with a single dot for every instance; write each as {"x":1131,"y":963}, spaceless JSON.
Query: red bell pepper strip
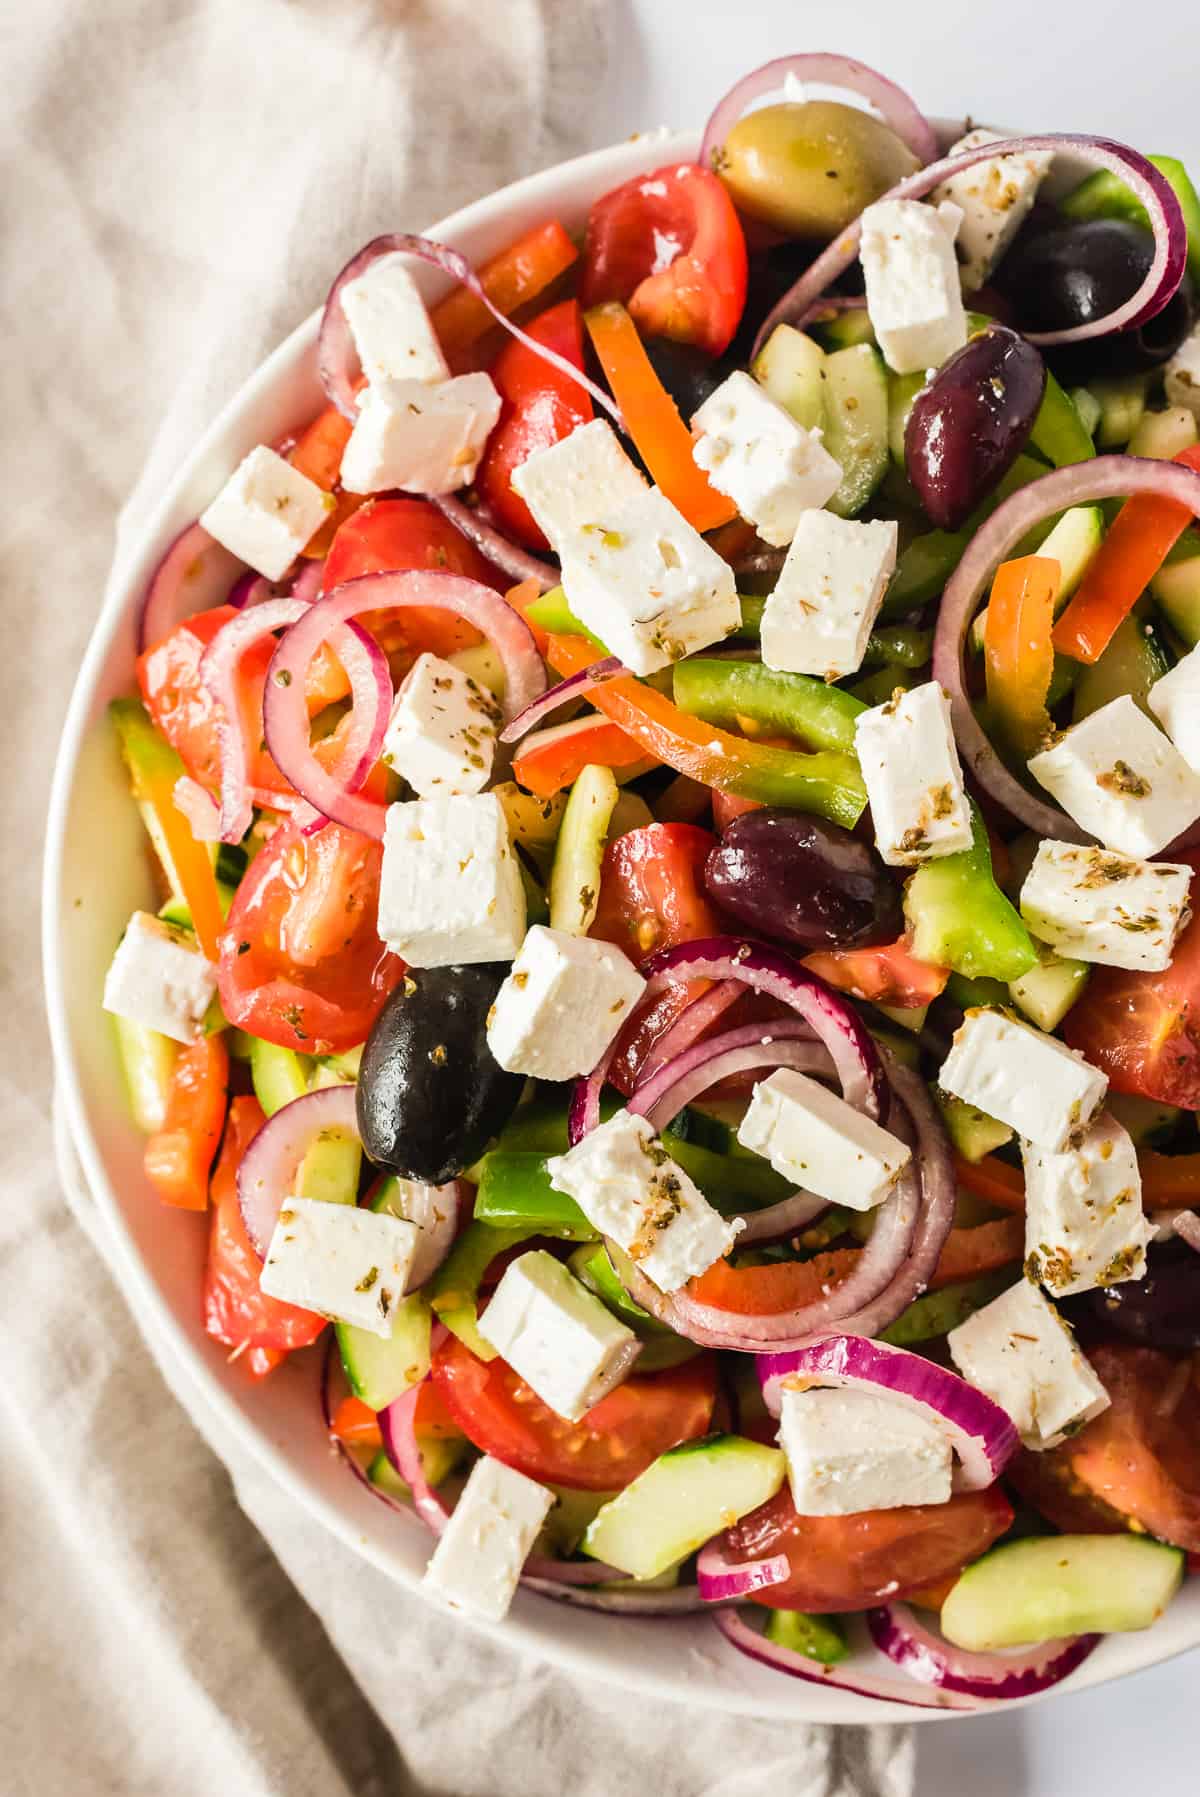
{"x":178,"y":1157}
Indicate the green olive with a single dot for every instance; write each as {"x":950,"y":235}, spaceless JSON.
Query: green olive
{"x":808,"y":168}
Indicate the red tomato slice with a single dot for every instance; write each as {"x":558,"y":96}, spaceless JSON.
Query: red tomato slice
{"x":670,"y":246}
{"x":553,"y":760}
{"x":541,"y":406}
{"x":616,"y":1440}
{"x":1143,"y":1029}
{"x":236,"y":1312}
{"x":887,"y":975}
{"x":840,"y":1563}
{"x":301,"y":960}
{"x":177,"y":1157}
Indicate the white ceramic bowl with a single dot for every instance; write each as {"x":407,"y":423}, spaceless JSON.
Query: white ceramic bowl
{"x":97,"y":872}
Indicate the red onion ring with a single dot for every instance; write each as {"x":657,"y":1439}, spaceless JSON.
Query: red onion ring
{"x":248,"y":589}
{"x":192,"y":571}
{"x":748,"y":1641}
{"x":820,"y":69}
{"x":336,"y":357}
{"x":1105,"y":477}
{"x":269,"y":1164}
{"x":307,"y":585}
{"x":285,"y":715}
{"x":720,"y":1579}
{"x":1156,"y":194}
{"x":653,"y":1605}
{"x":1186,"y":1225}
{"x":436,"y":1211}
{"x":496,"y":548}
{"x":691,"y":1024}
{"x":927,"y":1656}
{"x":577,"y":686}
{"x":659,"y":1097}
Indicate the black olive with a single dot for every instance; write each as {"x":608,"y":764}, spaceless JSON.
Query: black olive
{"x":430,"y":1094}
{"x":688,"y":374}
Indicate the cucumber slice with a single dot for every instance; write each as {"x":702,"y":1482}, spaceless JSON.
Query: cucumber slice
{"x":1176,"y":588}
{"x":1150,"y":1124}
{"x":937,"y":1313}
{"x":579,"y":852}
{"x":902,"y":391}
{"x":147,"y":1061}
{"x":179,"y":912}
{"x":1088,"y":408}
{"x":681,"y":1501}
{"x":1161,"y":435}
{"x":533,"y":823}
{"x":1046,"y":993}
{"x":856,"y":424}
{"x":380,"y":1371}
{"x":481,"y":663}
{"x":568,"y":1521}
{"x":816,"y":1637}
{"x":1042,"y":1587}
{"x":791,"y":366}
{"x":279,"y":1075}
{"x":440,"y":1456}
{"x":383,"y":1475}
{"x":1132,"y":662}
{"x":661,"y":1347}
{"x":907,"y":1017}
{"x":1059,"y":433}
{"x":454,"y":1289}
{"x":843,"y":330}
{"x":1122,"y":400}
{"x":972,"y":1132}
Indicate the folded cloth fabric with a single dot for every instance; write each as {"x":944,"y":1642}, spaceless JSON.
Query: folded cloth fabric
{"x":182,"y":177}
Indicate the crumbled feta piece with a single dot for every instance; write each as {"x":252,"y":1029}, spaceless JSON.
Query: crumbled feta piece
{"x":996,"y":198}
{"x":441,"y":735}
{"x":627,"y":1185}
{"x":822,"y":609}
{"x":1018,"y":1074}
{"x":1084,"y":1225}
{"x":420,"y":438}
{"x":812,"y":1136}
{"x":580,"y":480}
{"x":1018,"y":1351}
{"x":391,"y":328}
{"x":1121,"y":779}
{"x":340,"y":1260}
{"x":848,"y":1450}
{"x":450,"y":890}
{"x":1175,"y":702}
{"x":1093,"y":905}
{"x":266,"y":512}
{"x":476,"y":1565}
{"x":160,"y":979}
{"x":753,"y":450}
{"x":1181,"y":377}
{"x":565,"y":1344}
{"x":914,"y":782}
{"x":562,"y":1004}
{"x":914,"y":299}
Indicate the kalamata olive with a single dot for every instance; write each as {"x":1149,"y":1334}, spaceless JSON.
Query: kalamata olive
{"x":808,"y":168}
{"x":968,"y":426}
{"x":1073,"y":273}
{"x":430,"y":1095}
{"x":801,"y":880}
{"x":1163,"y":1309}
{"x":688,"y":374}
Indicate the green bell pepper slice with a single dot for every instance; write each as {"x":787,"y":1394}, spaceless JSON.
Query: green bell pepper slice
{"x":723,"y":692}
{"x":959,"y":918}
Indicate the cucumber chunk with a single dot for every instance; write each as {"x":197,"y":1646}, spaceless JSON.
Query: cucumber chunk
{"x":791,"y":366}
{"x":1072,"y":543}
{"x":1042,"y":1587}
{"x":1046,"y":993}
{"x":843,"y":330}
{"x":1132,"y":662}
{"x":937,"y":1313}
{"x":579,"y":852}
{"x":148,"y":1062}
{"x":1176,"y":588}
{"x":816,"y":1637}
{"x":856,"y":424}
{"x":972,"y":1132}
{"x":1150,"y":1124}
{"x":680,"y":1502}
{"x":1122,"y":400}
{"x":279,"y":1075}
{"x":380,"y":1371}
{"x":902,"y":392}
{"x":1161,"y":435}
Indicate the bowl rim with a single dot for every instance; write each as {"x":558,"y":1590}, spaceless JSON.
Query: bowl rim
{"x":123,"y":592}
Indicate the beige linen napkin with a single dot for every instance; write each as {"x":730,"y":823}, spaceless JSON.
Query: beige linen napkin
{"x":180,"y":179}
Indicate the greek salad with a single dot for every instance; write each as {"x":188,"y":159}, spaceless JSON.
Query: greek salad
{"x":675,"y":972}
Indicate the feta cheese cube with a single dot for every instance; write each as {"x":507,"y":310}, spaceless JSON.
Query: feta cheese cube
{"x":996,"y":198}
{"x":344,"y":1262}
{"x":1018,"y":1351}
{"x":441,"y":735}
{"x":476,"y":1565}
{"x":391,"y":329}
{"x":1084,"y":1225}
{"x":627,"y":1185}
{"x":825,"y":602}
{"x":562,"y":1004}
{"x":420,"y":438}
{"x":585,"y":478}
{"x":1121,"y":779}
{"x":812,"y":1136}
{"x":557,"y":1335}
{"x":450,"y":890}
{"x":1096,"y":906}
{"x":160,"y":979}
{"x":848,"y":1450}
{"x":1175,"y":701}
{"x":1029,"y":1080}
{"x":1181,"y":377}
{"x":914,"y":782}
{"x":752,"y":449}
{"x":266,"y":512}
{"x":914,"y":299}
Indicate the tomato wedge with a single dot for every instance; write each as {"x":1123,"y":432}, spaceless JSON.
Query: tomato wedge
{"x":551,"y":760}
{"x":541,"y":405}
{"x":616,"y":1440}
{"x":317,"y":453}
{"x":841,"y":1563}
{"x":888,"y":975}
{"x":178,"y":1156}
{"x":511,"y":278}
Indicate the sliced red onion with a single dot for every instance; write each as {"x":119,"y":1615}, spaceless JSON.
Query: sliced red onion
{"x":493,"y":545}
{"x":270,"y":1163}
{"x":819,"y":69}
{"x":307,"y":585}
{"x":199,"y":807}
{"x":285,"y":714}
{"x":659,"y":1097}
{"x":927,"y":1656}
{"x":577,"y":686}
{"x":691,"y":1025}
{"x":719,"y":1578}
{"x":1130,"y":166}
{"x":1186,"y":1225}
{"x":652,"y":1604}
{"x":248,"y":589}
{"x":193,"y":570}
{"x":1105,"y":477}
{"x":755,"y":1646}
{"x":336,"y":357}
{"x":436,"y":1211}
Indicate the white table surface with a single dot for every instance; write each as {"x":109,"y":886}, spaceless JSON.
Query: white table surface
{"x":674,"y":58}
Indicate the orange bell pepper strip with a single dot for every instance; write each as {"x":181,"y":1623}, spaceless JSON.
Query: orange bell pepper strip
{"x":521,"y":597}
{"x":993,"y":1180}
{"x":1138,"y":541}
{"x":652,"y":418}
{"x":1018,"y":651}
{"x":1169,"y":1181}
{"x":510,"y":279}
{"x":356,"y":1424}
{"x":177,"y":1159}
{"x":549,"y":766}
{"x":154,"y":767}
